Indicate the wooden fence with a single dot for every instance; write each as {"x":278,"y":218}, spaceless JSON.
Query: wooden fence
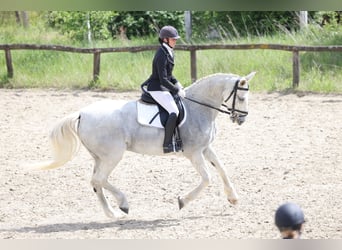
{"x":295,"y":49}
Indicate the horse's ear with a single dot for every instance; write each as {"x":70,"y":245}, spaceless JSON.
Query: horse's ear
{"x":250,"y":75}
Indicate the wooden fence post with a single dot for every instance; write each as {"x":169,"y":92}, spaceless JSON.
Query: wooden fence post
{"x":193,"y":66}
{"x":296,"y":69}
{"x":96,"y":67}
{"x":9,"y":63}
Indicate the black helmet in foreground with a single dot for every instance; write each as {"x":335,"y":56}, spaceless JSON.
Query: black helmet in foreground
{"x":168,"y":32}
{"x":289,"y":215}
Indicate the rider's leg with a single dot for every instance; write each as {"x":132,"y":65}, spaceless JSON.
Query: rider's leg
{"x":169,"y":128}
{"x":166,"y":100}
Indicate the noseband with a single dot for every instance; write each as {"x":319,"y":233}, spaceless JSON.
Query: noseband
{"x":230,"y":111}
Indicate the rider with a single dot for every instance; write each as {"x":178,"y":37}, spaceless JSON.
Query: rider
{"x":289,"y":219}
{"x":162,"y":85}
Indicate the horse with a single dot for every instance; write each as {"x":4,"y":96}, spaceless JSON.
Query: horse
{"x":108,"y":128}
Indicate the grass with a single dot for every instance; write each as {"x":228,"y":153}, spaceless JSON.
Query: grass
{"x":320,"y":72}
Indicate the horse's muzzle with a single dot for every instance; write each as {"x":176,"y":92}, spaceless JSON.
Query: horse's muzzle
{"x":239,"y":119}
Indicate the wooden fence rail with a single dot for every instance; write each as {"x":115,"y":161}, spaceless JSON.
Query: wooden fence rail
{"x":295,"y":49}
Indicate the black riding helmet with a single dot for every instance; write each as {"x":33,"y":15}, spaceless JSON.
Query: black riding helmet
{"x":168,"y":32}
{"x":289,"y":215}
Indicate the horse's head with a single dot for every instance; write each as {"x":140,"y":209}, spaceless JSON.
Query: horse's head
{"x":238,"y":97}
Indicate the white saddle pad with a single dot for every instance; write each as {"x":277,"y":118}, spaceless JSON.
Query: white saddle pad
{"x":148,"y":115}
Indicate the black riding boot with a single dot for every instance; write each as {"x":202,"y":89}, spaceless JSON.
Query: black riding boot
{"x":169,"y":128}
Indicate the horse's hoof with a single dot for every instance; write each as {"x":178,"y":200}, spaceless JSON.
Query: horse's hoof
{"x":124,"y":209}
{"x":180,"y":203}
{"x":233,"y":201}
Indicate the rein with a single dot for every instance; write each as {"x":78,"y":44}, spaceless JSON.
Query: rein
{"x":230,"y":110}
{"x":209,"y":106}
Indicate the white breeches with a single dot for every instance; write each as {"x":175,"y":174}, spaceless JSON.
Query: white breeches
{"x":165,"y":99}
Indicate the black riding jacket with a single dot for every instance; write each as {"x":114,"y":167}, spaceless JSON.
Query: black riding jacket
{"x":162,"y":67}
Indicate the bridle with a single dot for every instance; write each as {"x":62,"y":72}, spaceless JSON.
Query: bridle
{"x":235,"y":113}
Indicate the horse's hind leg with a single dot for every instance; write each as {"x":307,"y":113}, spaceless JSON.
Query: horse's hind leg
{"x":198,"y":162}
{"x":99,"y":181}
{"x":228,"y":186}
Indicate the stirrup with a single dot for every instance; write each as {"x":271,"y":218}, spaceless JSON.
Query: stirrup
{"x":168,"y":148}
{"x":179,"y":145}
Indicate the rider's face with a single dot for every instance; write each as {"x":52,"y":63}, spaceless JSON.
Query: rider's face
{"x":171,"y":41}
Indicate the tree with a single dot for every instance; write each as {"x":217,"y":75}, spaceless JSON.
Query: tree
{"x":112,"y":24}
{"x":22,"y":18}
{"x":188,"y":28}
{"x":303,"y":19}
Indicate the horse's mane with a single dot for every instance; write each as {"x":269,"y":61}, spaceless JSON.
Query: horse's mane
{"x":210,"y":76}
{"x":202,"y":85}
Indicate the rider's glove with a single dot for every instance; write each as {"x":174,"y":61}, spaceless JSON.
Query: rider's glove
{"x":181,"y":93}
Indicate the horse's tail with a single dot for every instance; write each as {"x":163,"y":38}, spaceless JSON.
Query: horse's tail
{"x":65,"y":142}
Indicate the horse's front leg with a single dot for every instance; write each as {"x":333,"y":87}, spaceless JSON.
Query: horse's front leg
{"x":228,"y":186}
{"x":198,"y":162}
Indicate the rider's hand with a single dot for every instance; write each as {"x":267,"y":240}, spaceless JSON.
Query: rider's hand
{"x":181,"y":93}
{"x":179,"y":85}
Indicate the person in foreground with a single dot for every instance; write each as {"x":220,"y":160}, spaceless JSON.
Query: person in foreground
{"x":289,"y":218}
{"x":162,"y":85}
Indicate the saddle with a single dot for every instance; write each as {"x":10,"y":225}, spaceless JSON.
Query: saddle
{"x":151,"y":113}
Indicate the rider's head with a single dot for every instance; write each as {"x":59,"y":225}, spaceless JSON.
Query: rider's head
{"x":169,"y":35}
{"x":289,"y":219}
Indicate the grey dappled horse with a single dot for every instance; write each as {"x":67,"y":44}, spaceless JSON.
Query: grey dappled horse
{"x":108,"y":128}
